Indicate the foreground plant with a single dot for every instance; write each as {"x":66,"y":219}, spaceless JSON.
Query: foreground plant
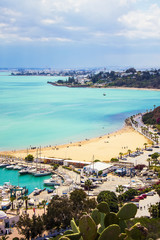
{"x":105,"y":225}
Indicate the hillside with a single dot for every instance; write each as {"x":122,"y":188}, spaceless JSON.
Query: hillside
{"x":152,"y":117}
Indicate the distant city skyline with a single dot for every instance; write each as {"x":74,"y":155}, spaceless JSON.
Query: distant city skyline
{"x":79,"y":33}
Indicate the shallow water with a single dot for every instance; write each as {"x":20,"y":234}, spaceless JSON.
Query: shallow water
{"x":27,"y":180}
{"x":34,"y":113}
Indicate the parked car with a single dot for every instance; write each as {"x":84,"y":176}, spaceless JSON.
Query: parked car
{"x":136,"y":199}
{"x":143,"y":195}
{"x":149,"y":149}
{"x":150,"y":193}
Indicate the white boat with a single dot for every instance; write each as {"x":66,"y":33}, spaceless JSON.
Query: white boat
{"x":17,"y":167}
{"x":5,"y":204}
{"x":41,"y":173}
{"x":2,"y":165}
{"x":23,"y":171}
{"x":36,"y":191}
{"x":31,"y":170}
{"x":51,"y":182}
{"x":10,"y":167}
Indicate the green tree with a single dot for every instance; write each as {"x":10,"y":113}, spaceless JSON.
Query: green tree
{"x":155,"y":156}
{"x":81,"y":203}
{"x":30,"y":227}
{"x":155,"y":210}
{"x":129,"y":152}
{"x":24,"y":226}
{"x":26,"y":198}
{"x":120,"y":154}
{"x":59,"y":213}
{"x":114,"y":160}
{"x":120,"y":189}
{"x":12,"y":200}
{"x":110,"y":198}
{"x":128,"y":195}
{"x":44,"y":204}
{"x":145,"y":145}
{"x":88,"y":184}
{"x":29,"y":158}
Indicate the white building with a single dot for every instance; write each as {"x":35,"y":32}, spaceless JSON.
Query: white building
{"x":98,"y":166}
{"x":7,"y":221}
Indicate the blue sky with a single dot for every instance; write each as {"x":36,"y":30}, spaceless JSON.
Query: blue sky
{"x":79,"y":33}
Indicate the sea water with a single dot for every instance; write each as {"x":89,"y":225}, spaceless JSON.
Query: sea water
{"x":34,"y":113}
{"x":28,"y":180}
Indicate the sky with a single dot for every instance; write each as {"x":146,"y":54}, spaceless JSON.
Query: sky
{"x":79,"y":33}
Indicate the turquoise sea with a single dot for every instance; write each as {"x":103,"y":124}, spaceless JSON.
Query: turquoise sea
{"x":28,"y":180}
{"x":34,"y":113}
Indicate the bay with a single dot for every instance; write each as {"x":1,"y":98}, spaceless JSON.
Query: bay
{"x":34,"y":113}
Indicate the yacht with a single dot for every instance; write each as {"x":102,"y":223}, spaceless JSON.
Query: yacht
{"x":17,"y":167}
{"x":23,"y":171}
{"x":51,"y":182}
{"x":32,"y":170}
{"x":41,"y":173}
{"x":10,"y":167}
{"x":2,"y":165}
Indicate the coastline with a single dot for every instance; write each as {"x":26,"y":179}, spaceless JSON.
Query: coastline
{"x":103,"y":147}
{"x":87,"y":86}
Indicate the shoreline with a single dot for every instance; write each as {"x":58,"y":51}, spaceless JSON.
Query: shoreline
{"x":114,"y":87}
{"x":103,"y":147}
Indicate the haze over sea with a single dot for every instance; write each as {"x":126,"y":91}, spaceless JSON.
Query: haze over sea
{"x":34,"y":113}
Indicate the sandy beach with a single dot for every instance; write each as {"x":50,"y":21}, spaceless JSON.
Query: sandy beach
{"x":103,"y":148}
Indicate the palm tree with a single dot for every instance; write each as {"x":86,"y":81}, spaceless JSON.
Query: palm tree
{"x":12,"y":198}
{"x":26,"y":198}
{"x":44,"y":204}
{"x":145,"y":144}
{"x":149,"y":160}
{"x":129,"y":151}
{"x":88,"y":183}
{"x":120,"y":154}
{"x":137,"y":149}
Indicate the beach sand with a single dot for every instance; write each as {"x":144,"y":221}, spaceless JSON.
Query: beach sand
{"x":103,"y":148}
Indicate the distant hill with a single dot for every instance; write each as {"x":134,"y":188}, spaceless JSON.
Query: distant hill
{"x":152,"y":117}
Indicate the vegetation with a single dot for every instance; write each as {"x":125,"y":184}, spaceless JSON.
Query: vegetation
{"x":152,"y":117}
{"x":29,"y":158}
{"x":129,"y":78}
{"x":152,"y":224}
{"x":114,"y":160}
{"x":100,"y":224}
{"x":110,"y":198}
{"x":128,"y":195}
{"x":30,"y":227}
{"x":103,"y":224}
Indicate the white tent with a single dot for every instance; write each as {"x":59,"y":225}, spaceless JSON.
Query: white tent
{"x":98,"y":166}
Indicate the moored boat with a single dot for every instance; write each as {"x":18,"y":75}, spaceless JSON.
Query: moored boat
{"x":10,"y":167}
{"x":2,"y":165}
{"x":41,"y":173}
{"x":51,"y":182}
{"x":23,"y":171}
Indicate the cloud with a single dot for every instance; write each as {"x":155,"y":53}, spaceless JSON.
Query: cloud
{"x":141,"y":24}
{"x":82,"y":21}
